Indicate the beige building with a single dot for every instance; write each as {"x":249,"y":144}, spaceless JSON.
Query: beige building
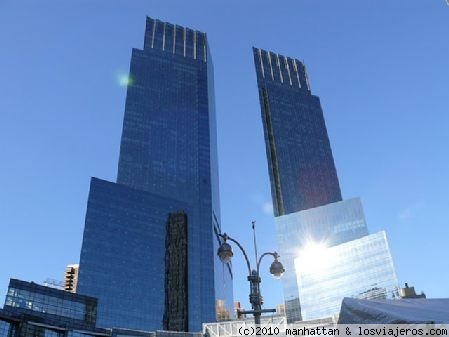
{"x":280,"y":309}
{"x":71,"y":277}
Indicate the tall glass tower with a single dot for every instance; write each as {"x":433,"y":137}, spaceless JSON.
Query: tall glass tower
{"x":324,"y":241}
{"x":167,"y":164}
{"x":300,"y":162}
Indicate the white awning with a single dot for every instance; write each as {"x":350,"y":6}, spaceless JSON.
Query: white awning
{"x":401,"y":311}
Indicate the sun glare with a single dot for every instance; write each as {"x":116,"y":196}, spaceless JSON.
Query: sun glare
{"x":314,"y":258}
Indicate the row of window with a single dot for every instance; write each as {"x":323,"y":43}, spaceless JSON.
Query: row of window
{"x":20,"y":298}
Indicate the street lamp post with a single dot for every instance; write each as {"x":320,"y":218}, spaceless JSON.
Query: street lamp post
{"x":276,"y":269}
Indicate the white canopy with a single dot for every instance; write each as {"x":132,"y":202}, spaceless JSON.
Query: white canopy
{"x":402,"y":311}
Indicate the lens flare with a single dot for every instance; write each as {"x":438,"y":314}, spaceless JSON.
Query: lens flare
{"x":123,"y":79}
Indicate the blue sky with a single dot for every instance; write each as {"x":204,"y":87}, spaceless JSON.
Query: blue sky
{"x":380,"y":68}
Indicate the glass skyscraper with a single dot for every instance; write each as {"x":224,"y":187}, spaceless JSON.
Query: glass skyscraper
{"x":167,"y":164}
{"x":328,"y":254}
{"x":360,"y":268}
{"x":300,"y":162}
{"x":328,"y":225}
{"x":323,"y":240}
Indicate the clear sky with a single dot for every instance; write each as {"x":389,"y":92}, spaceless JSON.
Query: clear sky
{"x":380,"y":67}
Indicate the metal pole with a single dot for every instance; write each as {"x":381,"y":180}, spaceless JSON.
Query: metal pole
{"x":254,"y":296}
{"x":253,"y":223}
{"x":255,"y":284}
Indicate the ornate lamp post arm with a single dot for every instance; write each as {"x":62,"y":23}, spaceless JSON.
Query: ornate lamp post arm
{"x":276,"y":268}
{"x":275,"y":255}
{"x":226,"y":237}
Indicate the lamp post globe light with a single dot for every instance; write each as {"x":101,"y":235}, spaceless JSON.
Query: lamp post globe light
{"x":276,"y":268}
{"x":225,"y":254}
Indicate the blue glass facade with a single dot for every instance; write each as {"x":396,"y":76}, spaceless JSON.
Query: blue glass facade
{"x":122,"y":258}
{"x":328,"y":254}
{"x":330,"y":225}
{"x":168,"y":162}
{"x":54,"y":306}
{"x":360,"y":268}
{"x":300,"y":162}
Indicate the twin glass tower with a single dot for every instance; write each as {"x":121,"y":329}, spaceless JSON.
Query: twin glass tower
{"x":167,"y":164}
{"x":150,"y":238}
{"x":327,"y":251}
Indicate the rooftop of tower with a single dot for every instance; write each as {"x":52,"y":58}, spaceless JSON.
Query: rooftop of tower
{"x":175,"y":39}
{"x":271,"y":66}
